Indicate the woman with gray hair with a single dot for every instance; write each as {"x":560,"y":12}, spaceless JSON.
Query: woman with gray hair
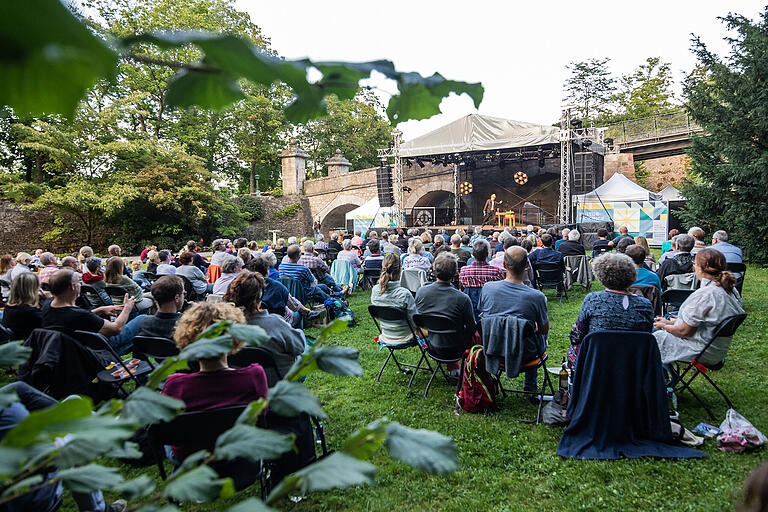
{"x":614,"y":308}
{"x":347,"y":253}
{"x":415,"y":257}
{"x":231,"y":266}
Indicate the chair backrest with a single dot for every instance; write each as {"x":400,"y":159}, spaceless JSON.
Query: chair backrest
{"x":150,"y":276}
{"x":332,"y":254}
{"x":93,"y":341}
{"x":195,"y":428}
{"x":295,"y":288}
{"x":548,"y":273}
{"x":189,"y":289}
{"x":390,"y":314}
{"x":6,"y":334}
{"x":600,"y":249}
{"x":344,"y":272}
{"x":687,"y":281}
{"x":214,"y":297}
{"x":258,"y":355}
{"x":649,"y":292}
{"x":92,"y":294}
{"x":738,"y":268}
{"x":116,"y":293}
{"x":5,"y":289}
{"x":412,"y":279}
{"x":727,"y":327}
{"x":153,"y":346}
{"x":675,"y":297}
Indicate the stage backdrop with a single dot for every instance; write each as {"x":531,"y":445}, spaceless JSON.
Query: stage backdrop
{"x":646,"y":218}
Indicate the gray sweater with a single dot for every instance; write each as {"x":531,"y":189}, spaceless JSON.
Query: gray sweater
{"x":286,"y":343}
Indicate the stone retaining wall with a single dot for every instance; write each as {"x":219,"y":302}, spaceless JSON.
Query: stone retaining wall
{"x":299,"y":225}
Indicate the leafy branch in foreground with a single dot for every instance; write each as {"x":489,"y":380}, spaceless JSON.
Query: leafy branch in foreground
{"x":71,"y":435}
{"x":53,"y":59}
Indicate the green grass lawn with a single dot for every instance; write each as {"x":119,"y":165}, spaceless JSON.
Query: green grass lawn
{"x":509,"y":465}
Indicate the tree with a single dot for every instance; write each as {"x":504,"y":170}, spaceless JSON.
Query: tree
{"x":356,"y":127}
{"x":590,"y":87}
{"x":646,"y":91}
{"x":728,"y":183}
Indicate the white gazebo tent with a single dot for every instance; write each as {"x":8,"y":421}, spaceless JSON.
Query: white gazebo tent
{"x":370,"y":215}
{"x":670,"y":193}
{"x":625,"y":203}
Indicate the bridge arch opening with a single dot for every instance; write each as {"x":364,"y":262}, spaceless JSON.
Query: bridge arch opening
{"x":336,"y":218}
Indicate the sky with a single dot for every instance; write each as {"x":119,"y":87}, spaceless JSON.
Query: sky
{"x":517,"y":50}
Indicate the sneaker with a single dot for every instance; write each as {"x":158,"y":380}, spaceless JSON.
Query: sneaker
{"x":117,"y":506}
{"x":315,"y":314}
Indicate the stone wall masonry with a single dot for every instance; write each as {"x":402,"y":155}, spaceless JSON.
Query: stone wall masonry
{"x":668,"y":170}
{"x":23,"y":230}
{"x":299,"y":225}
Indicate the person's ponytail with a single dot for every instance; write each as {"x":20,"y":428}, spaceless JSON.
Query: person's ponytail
{"x":390,"y":271}
{"x":726,"y":280}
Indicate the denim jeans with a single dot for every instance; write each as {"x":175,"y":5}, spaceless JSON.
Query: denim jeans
{"x":123,"y":342}
{"x":330,"y":283}
{"x":530,"y":379}
{"x":319,"y":293}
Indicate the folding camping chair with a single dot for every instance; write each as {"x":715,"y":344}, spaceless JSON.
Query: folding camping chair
{"x":445,"y":326}
{"x":369,"y":277}
{"x":549,"y":275}
{"x":727,"y":328}
{"x":390,"y":314}
{"x":295,"y":288}
{"x":189,"y":290}
{"x":99,"y":342}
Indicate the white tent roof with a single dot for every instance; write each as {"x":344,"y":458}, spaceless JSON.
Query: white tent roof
{"x":670,"y":193}
{"x":618,"y":188}
{"x":370,"y":215}
{"x":475,"y":132}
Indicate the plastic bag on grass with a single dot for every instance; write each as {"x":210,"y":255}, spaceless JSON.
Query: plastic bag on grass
{"x":738,"y":434}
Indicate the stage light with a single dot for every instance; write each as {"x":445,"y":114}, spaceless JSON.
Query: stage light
{"x":421,"y":164}
{"x":576,"y":123}
{"x":465,"y":188}
{"x":586,"y":143}
{"x":408,"y":163}
{"x":497,"y":156}
{"x":521,"y":178}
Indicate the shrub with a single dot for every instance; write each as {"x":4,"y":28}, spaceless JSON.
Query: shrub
{"x":288,"y":212}
{"x":250,"y":208}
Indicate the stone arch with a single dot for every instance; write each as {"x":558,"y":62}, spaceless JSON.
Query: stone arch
{"x":332,"y":214}
{"x":428,"y":191}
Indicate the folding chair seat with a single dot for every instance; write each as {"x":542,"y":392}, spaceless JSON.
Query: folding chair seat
{"x":446,"y":327}
{"x":202,"y":428}
{"x":741,"y":270}
{"x":99,"y":342}
{"x":681,"y":369}
{"x":391,"y":314}
{"x":549,"y":275}
{"x":578,"y":270}
{"x":94,"y":296}
{"x":672,"y":299}
{"x":263,"y":357}
{"x":147,"y":348}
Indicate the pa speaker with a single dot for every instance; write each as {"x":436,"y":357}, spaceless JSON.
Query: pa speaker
{"x":587,"y":172}
{"x":384,"y":186}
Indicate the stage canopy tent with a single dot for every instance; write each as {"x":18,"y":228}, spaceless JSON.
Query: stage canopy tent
{"x":617,"y":188}
{"x":476,"y":132}
{"x":370,"y":215}
{"x":670,"y":193}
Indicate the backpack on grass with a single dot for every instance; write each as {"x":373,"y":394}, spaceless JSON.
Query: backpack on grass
{"x":476,"y":390}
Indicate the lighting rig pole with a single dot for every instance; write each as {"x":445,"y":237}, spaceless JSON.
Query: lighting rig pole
{"x":564,"y":206}
{"x":456,"y":198}
{"x":397,"y":176}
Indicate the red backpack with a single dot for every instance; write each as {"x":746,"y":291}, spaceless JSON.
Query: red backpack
{"x":476,"y":390}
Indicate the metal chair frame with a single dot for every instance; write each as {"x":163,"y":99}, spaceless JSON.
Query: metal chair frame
{"x":738,"y":268}
{"x":436,"y":324}
{"x":679,"y":383}
{"x":394,"y":314}
{"x":146,"y":347}
{"x":549,"y":269}
{"x":96,"y":341}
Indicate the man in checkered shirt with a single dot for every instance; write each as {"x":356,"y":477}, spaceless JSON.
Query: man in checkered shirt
{"x":479,"y":272}
{"x":318,"y":268}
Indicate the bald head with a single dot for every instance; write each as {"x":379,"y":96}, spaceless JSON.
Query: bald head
{"x":515,"y":261}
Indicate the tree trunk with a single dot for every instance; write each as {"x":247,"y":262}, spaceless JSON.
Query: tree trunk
{"x":159,"y":120}
{"x":142,"y":123}
{"x":38,"y":168}
{"x":250,"y":178}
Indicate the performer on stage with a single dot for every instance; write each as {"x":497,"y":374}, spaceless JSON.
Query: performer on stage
{"x":489,"y":210}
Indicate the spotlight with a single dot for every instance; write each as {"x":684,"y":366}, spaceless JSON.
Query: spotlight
{"x":465,"y":188}
{"x":497,"y":156}
{"x":421,"y":164}
{"x":407,"y":189}
{"x":576,"y":123}
{"x":521,"y":178}
{"x":586,"y":143}
{"x":408,"y":163}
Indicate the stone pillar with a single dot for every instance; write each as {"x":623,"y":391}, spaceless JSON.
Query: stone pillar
{"x":337,"y":165}
{"x":294,"y":169}
{"x":623,"y":163}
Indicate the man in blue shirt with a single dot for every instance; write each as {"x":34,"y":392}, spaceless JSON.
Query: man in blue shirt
{"x":292,"y":270}
{"x":546,"y":254}
{"x":645,"y":277}
{"x":564,"y":234}
{"x":623,"y":233}
{"x":512,"y":297}
{"x":731,"y":252}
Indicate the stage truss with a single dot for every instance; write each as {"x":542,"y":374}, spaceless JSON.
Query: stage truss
{"x":393,"y":151}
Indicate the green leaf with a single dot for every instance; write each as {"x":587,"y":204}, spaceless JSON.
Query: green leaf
{"x":13,"y":353}
{"x":11,"y":460}
{"x":129,"y":450}
{"x":91,"y":477}
{"x":44,"y":422}
{"x":341,"y":361}
{"x":136,"y":488}
{"x":23,"y":485}
{"x":338,"y":325}
{"x":252,"y":335}
{"x":110,"y":408}
{"x":251,"y":505}
{"x":214,"y":90}
{"x":420,"y":97}
{"x":167,"y":367}
{"x":147,"y":406}
{"x":365,"y":441}
{"x":152,"y":507}
{"x":423,"y":449}
{"x":251,"y":413}
{"x":337,"y":471}
{"x":207,"y":348}
{"x":251,"y":443}
{"x":215,"y":329}
{"x":48,"y":58}
{"x":200,"y":484}
{"x":8,"y":396}
{"x":292,"y":398}
{"x":191,"y":462}
{"x":90,"y":437}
